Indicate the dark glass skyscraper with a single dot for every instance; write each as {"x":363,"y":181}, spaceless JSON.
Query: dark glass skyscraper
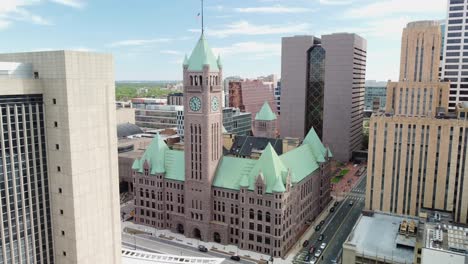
{"x":25,"y":220}
{"x":315,"y":89}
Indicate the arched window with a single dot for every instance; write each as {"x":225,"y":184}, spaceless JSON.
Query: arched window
{"x":259,"y":215}
{"x":152,"y":195}
{"x":267,"y":217}
{"x":216,"y":80}
{"x":141,"y":192}
{"x":201,"y":80}
{"x":191,"y":80}
{"x":252,"y":214}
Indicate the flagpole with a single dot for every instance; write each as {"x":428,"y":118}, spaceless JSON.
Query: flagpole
{"x":202,"y":25}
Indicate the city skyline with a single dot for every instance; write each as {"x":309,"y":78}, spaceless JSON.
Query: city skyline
{"x":245,"y":33}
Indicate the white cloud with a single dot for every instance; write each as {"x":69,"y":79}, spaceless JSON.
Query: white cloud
{"x":253,"y":49}
{"x":15,"y":10}
{"x":70,"y":3}
{"x":138,"y":42}
{"x":171,"y":52}
{"x":388,"y":28}
{"x":392,"y":7}
{"x":335,"y":2}
{"x":273,"y":9}
{"x":246,"y":28}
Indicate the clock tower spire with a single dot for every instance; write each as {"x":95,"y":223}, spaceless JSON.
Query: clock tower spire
{"x":203,"y":133}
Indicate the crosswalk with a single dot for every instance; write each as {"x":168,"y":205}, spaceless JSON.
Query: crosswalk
{"x":359,"y":191}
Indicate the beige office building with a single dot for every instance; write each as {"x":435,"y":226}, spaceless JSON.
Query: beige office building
{"x":420,"y":51}
{"x":417,"y":151}
{"x":59,"y":199}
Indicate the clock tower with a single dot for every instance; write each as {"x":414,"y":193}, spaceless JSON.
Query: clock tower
{"x":203,"y":135}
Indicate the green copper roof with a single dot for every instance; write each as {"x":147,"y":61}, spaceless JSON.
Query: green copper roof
{"x":301,"y":161}
{"x":233,"y":173}
{"x":330,"y":155}
{"x":186,"y":60}
{"x":265,"y":113}
{"x":219,"y":61}
{"x":314,"y":142}
{"x":155,"y":155}
{"x":202,"y":55}
{"x":175,"y":165}
{"x":272,"y":168}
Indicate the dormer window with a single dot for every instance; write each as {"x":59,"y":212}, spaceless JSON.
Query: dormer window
{"x":146,"y":172}
{"x":259,"y":190}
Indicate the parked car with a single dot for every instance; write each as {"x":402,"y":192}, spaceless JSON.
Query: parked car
{"x":332,"y":209}
{"x":336,"y":203}
{"x":351,"y":203}
{"x":236,"y":258}
{"x":307,"y":258}
{"x":317,"y":228}
{"x":321,"y":237}
{"x":323,"y":245}
{"x":313,"y":260}
{"x":318,"y":253}
{"x":202,"y":248}
{"x":306,"y":242}
{"x":312,"y":250}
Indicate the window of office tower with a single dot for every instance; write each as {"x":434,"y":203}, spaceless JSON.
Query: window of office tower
{"x":23,"y":169}
{"x":315,"y":89}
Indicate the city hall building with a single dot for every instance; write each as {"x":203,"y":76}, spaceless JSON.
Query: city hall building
{"x":257,"y":204}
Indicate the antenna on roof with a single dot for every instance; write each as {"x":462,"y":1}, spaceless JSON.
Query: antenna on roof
{"x":202,"y":24}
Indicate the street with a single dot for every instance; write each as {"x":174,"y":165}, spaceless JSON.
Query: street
{"x":337,"y":226}
{"x":156,"y":245}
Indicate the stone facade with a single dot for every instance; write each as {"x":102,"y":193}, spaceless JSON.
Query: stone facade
{"x":252,"y":220}
{"x":257,"y":204}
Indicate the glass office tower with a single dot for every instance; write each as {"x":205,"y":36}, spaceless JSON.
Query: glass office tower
{"x":315,"y":89}
{"x":25,"y":221}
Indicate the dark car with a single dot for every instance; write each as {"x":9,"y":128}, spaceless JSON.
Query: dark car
{"x":307,"y":258}
{"x":351,"y":203}
{"x":317,"y":228}
{"x":306,"y":242}
{"x":202,"y":248}
{"x":312,"y":250}
{"x":332,"y":209}
{"x":322,"y":222}
{"x":236,"y":258}
{"x":321,"y":237}
{"x":336,"y":203}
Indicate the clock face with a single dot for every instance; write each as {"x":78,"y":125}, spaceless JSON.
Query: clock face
{"x":214,"y":104}
{"x":195,"y":104}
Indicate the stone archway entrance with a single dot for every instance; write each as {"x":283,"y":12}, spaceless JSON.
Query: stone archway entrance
{"x":216,"y":237}
{"x":180,"y":229}
{"x":196,"y":233}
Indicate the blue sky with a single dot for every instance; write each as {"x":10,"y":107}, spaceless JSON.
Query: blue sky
{"x":149,"y":38}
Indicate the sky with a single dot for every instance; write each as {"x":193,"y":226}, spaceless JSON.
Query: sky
{"x":149,"y":38}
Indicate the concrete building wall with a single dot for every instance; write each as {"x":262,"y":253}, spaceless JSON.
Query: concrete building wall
{"x":415,"y":163}
{"x":454,"y":55}
{"x":293,"y":85}
{"x":125,"y":115}
{"x":345,"y":68}
{"x":79,"y":94}
{"x":406,"y":98}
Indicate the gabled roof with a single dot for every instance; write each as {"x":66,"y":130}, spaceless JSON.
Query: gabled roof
{"x":202,"y":55}
{"x":234,"y":173}
{"x":272,"y":168}
{"x":319,"y":150}
{"x":265,"y":113}
{"x":155,"y":155}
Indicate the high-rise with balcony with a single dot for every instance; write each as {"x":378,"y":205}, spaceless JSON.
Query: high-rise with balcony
{"x":58,"y":159}
{"x":455,"y":59}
